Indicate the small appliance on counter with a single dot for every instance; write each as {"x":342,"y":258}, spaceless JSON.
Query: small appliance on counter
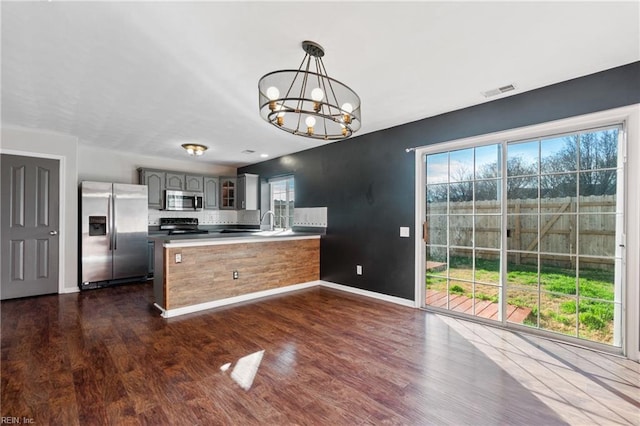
{"x":113,"y":234}
{"x":181,"y":225}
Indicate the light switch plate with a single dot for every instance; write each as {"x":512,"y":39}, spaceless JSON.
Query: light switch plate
{"x":404,"y":232}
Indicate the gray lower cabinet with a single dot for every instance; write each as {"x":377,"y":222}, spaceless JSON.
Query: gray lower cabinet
{"x":155,"y":181}
{"x":211,"y":193}
{"x":151,"y":254}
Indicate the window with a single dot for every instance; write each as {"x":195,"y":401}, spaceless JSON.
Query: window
{"x":282,"y":192}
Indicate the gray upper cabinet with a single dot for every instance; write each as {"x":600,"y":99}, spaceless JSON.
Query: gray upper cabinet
{"x":175,"y":181}
{"x":194,"y":183}
{"x":155,"y":181}
{"x":226,"y":192}
{"x":182,"y":182}
{"x":247,"y":192}
{"x":211,"y":194}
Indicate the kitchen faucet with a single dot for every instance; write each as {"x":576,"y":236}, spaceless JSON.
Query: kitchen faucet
{"x":273,"y":218}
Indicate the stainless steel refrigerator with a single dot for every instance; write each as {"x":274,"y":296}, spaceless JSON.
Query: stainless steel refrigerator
{"x":113,"y":226}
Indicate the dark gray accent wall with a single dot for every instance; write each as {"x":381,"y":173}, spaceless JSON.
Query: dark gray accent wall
{"x":367,"y":182}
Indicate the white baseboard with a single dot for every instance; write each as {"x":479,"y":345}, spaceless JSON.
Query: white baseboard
{"x":69,"y":290}
{"x":372,"y":294}
{"x":169,"y":313}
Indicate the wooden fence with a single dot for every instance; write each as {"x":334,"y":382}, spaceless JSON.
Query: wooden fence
{"x":560,"y":229}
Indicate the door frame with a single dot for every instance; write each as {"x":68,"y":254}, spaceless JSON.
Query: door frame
{"x":61,"y":216}
{"x":630,"y":117}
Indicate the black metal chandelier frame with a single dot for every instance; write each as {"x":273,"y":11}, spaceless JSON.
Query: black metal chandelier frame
{"x":335,"y":109}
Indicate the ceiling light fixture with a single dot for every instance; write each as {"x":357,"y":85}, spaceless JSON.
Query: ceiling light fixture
{"x":309,"y":103}
{"x":194,"y":148}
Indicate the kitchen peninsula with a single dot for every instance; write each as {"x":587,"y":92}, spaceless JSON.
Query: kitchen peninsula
{"x":197,"y":272}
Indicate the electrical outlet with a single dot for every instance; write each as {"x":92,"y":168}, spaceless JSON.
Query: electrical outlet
{"x":178,"y":257}
{"x":235,"y":275}
{"x":359,"y":269}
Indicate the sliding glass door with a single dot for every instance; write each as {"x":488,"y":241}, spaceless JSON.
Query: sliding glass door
{"x":463,"y":223}
{"x":528,"y":233}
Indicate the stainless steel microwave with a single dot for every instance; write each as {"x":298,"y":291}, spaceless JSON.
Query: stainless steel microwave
{"x":182,"y":200}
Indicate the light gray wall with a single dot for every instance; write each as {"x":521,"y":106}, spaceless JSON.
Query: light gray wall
{"x":38,"y":143}
{"x":103,"y":165}
{"x":80,"y":162}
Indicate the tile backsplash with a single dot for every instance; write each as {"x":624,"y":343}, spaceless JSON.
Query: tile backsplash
{"x":315,"y":217}
{"x":210,"y":217}
{"x":302,"y":216}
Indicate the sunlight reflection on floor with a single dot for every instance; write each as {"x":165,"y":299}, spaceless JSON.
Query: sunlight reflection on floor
{"x":580,"y":385}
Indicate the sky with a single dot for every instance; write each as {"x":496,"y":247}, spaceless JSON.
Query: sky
{"x":449,"y":165}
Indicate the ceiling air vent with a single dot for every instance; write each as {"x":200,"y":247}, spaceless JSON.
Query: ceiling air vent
{"x":248,"y":151}
{"x":498,"y":91}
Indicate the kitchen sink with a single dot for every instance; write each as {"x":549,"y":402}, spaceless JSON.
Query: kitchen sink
{"x":277,"y":232}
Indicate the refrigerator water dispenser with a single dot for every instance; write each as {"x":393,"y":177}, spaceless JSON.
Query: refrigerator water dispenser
{"x":97,"y":226}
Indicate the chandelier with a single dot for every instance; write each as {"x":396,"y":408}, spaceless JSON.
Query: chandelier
{"x":194,"y":148}
{"x":307,"y":102}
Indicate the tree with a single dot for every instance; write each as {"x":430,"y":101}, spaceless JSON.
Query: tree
{"x":588,"y":158}
{"x":593,"y":151}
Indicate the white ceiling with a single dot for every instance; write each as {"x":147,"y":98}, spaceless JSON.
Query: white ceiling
{"x":145,"y":77}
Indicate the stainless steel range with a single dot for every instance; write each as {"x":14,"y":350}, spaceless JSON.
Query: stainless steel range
{"x":181,"y":225}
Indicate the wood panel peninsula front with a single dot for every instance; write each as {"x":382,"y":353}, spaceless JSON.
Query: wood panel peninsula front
{"x":197,"y":272}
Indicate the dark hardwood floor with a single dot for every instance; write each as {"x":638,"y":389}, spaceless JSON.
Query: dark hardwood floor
{"x":107,"y":357}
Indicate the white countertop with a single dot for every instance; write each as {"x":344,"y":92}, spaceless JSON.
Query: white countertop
{"x":194,"y":240}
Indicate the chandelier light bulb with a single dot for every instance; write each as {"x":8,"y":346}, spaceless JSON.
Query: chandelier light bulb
{"x":310,"y":121}
{"x":190,"y":151}
{"x":273,"y":93}
{"x":280,"y":115}
{"x":317,"y":94}
{"x":348,"y":108}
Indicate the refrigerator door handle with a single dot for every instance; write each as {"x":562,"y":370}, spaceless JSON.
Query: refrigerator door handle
{"x":115,"y":226}
{"x":110,"y":224}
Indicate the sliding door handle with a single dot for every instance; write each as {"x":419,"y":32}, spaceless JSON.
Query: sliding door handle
{"x":425,"y":232}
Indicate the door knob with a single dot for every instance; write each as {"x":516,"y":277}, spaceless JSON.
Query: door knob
{"x":53,"y":232}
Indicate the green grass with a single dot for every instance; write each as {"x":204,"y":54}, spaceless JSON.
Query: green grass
{"x":456,"y":289}
{"x":556,"y":312}
{"x":482,"y":296}
{"x":565,"y":320}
